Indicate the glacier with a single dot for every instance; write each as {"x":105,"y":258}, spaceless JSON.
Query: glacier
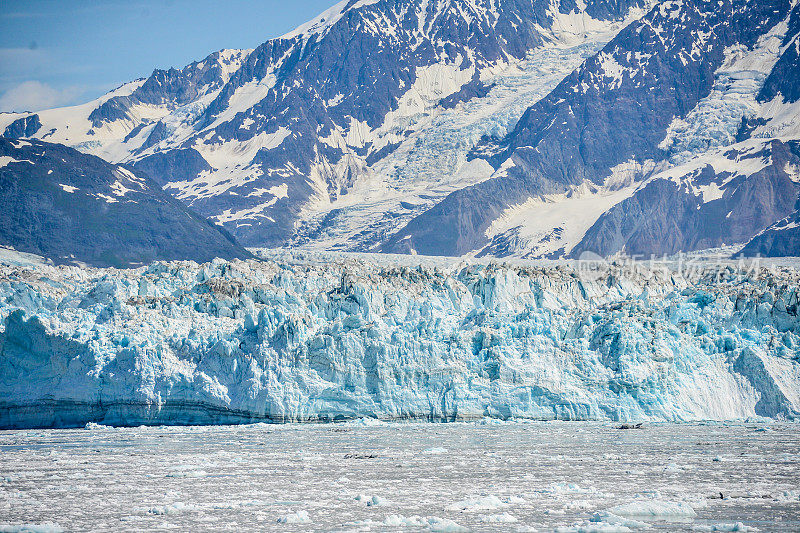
{"x":302,"y":336}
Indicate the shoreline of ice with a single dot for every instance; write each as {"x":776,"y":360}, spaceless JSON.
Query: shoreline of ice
{"x":300,"y":337}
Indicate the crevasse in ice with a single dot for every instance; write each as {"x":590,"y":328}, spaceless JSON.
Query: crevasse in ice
{"x":290,"y":339}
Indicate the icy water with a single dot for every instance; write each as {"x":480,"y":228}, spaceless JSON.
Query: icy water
{"x":538,"y":476}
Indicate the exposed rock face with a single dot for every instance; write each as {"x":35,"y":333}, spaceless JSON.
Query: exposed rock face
{"x":783,"y":81}
{"x":722,"y":200}
{"x":177,"y":165}
{"x":781,"y":239}
{"x":76,"y":208}
{"x":327,"y":339}
{"x":26,"y":126}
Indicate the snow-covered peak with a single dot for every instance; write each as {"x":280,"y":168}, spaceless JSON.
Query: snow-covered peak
{"x":325,"y":20}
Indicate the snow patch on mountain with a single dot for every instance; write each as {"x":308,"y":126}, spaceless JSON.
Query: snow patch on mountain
{"x":326,"y":19}
{"x":7,"y":160}
{"x":782,"y":120}
{"x":742,"y":159}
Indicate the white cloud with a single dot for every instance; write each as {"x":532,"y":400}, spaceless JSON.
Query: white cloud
{"x":35,"y":96}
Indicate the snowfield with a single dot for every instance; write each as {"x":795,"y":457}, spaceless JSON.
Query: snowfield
{"x":320,"y":337}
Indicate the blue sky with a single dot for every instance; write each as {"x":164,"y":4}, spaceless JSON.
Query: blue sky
{"x":62,"y":52}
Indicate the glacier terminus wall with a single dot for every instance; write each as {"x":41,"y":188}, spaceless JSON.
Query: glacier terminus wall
{"x":295,"y":338}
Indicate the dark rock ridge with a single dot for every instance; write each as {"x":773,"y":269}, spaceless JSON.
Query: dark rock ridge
{"x":174,"y":87}
{"x":71,"y":207}
{"x":174,"y":165}
{"x":23,"y":127}
{"x":784,"y":79}
{"x":781,"y":239}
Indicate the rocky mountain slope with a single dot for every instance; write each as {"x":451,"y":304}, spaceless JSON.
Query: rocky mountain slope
{"x":528,"y":128}
{"x":648,"y":125}
{"x":75,"y":208}
{"x":329,"y":338}
{"x":781,"y":239}
{"x":339,"y":132}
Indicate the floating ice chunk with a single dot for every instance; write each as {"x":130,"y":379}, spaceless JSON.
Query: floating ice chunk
{"x":377,"y":501}
{"x":367,"y":422}
{"x":610,"y":518}
{"x":503,"y":518}
{"x":300,"y":517}
{"x":648,"y":494}
{"x":654,"y":508}
{"x":605,"y":522}
{"x":94,"y":426}
{"x":579,"y":505}
{"x":435,"y":451}
{"x":788,"y":496}
{"x":31,"y":528}
{"x":173,"y":508}
{"x":373,"y":501}
{"x":674,"y":468}
{"x":432,"y":523}
{"x":187,"y":474}
{"x":593,"y":528}
{"x":444,"y":525}
{"x":484,"y":503}
{"x":738,"y":526}
{"x":489,"y":421}
{"x":395,"y":520}
{"x":568,"y":488}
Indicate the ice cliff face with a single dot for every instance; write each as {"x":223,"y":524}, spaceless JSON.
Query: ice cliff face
{"x":297,"y":339}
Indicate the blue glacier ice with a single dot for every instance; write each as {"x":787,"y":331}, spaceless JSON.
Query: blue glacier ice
{"x":324,"y":338}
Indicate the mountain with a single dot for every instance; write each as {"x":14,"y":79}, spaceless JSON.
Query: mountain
{"x":76,"y":208}
{"x":781,"y":239}
{"x":724,"y":197}
{"x":339,"y":132}
{"x":634,"y":151}
{"x":526,"y":128}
